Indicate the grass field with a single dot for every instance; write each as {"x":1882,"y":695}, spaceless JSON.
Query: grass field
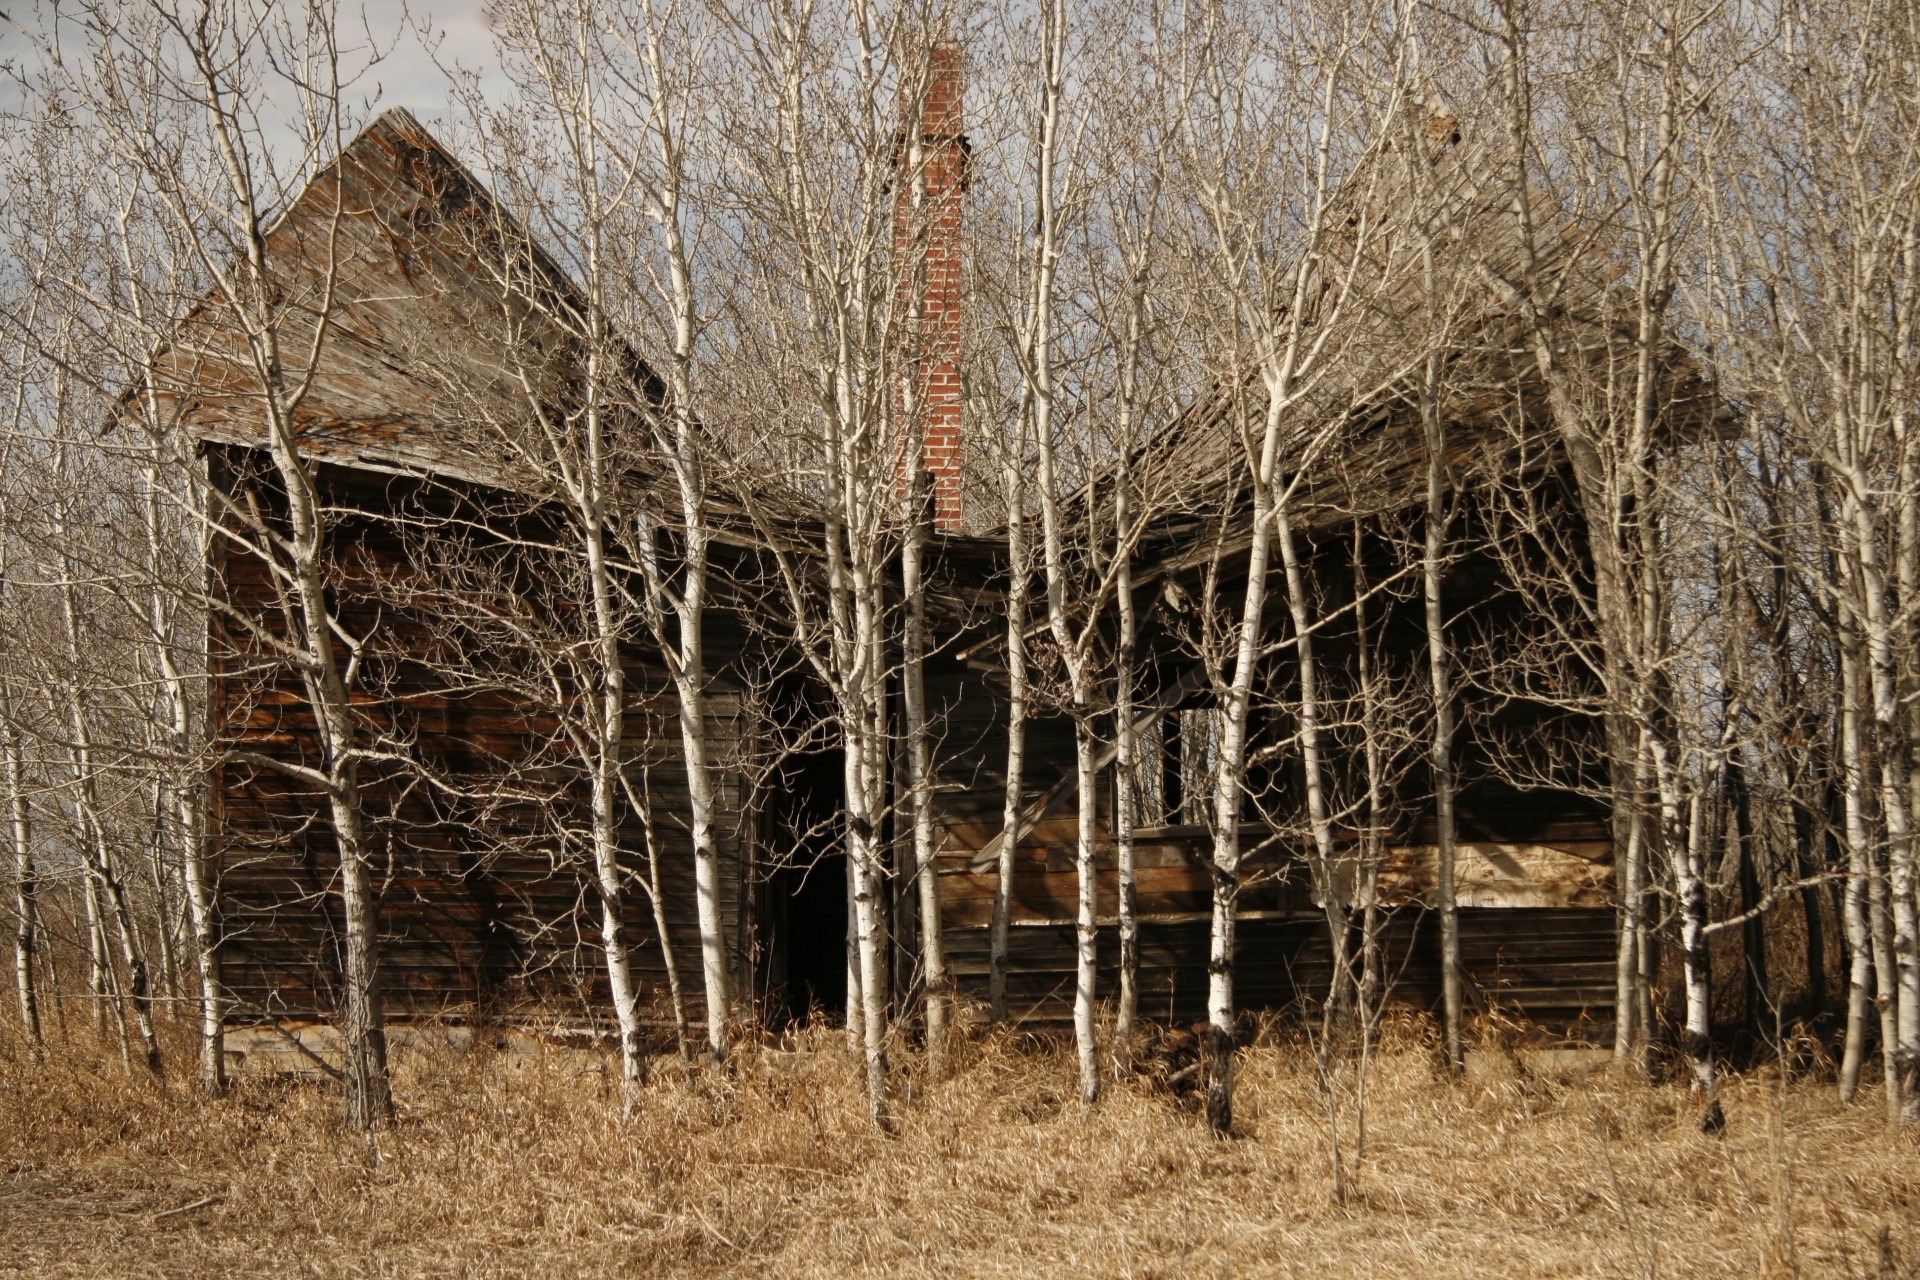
{"x":522,"y":1164}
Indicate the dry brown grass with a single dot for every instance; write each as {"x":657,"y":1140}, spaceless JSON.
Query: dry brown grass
{"x":515,"y":1164}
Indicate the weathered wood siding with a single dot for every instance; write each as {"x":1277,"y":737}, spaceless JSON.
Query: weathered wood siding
{"x":1534,"y":872}
{"x":1552,"y":964}
{"x":485,"y":903}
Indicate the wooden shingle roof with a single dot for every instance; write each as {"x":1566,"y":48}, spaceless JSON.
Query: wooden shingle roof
{"x":382,"y":298}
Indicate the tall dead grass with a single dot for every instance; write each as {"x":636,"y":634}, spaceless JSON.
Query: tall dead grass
{"x":522,"y":1164}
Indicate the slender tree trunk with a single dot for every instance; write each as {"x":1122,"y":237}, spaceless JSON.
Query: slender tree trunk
{"x":939,"y":995}
{"x":1633,"y":988}
{"x":1217,"y":1044}
{"x":1900,"y":982}
{"x":1086,"y":927}
{"x":690,"y":680}
{"x":1217,"y":1049}
{"x":98,"y":966}
{"x":1017,"y":583}
{"x":1903,"y":911}
{"x":1039,"y":358}
{"x":865,"y":768}
{"x":706,"y":853}
{"x":1691,"y":890}
{"x":1125,"y":802}
{"x":196,"y":867}
{"x":856,"y":996}
{"x":610,"y":889}
{"x":668,"y":123}
{"x":607,"y":749}
{"x":662,"y":930}
{"x":1860,"y":955}
{"x":917,"y":216}
{"x":1865,"y":861}
{"x":1864,"y":520}
{"x":369,"y":1088}
{"x":26,"y":890}
{"x":1326,"y":869}
{"x":163,"y":909}
{"x":1440,"y":754}
{"x":110,"y":1000}
{"x":328,"y":682}
{"x":1886,"y":988}
{"x":857,"y":603}
{"x":203,"y":913}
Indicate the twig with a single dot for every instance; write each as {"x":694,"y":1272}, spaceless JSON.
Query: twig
{"x":299,"y":1045}
{"x":713,"y":1230}
{"x":1772,"y":899}
{"x":201,"y":1203}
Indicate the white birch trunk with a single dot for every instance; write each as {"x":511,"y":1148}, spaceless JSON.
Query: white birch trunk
{"x":914,"y":418}
{"x":1229,"y":779}
{"x":1125,"y":802}
{"x":26,"y":888}
{"x":1015,"y":799}
{"x":668,"y":123}
{"x":939,"y":997}
{"x":1691,"y":890}
{"x":196,"y":869}
{"x":606,"y":745}
{"x":1440,"y":749}
{"x":1326,"y":863}
{"x":1086,"y":915}
{"x":1860,"y":968}
{"x":26,"y":878}
{"x":1038,"y":359}
{"x":1629,"y":1031}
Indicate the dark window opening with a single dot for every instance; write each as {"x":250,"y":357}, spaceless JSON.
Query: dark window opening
{"x":1175,"y":760}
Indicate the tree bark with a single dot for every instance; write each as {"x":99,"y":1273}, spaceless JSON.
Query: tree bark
{"x":1015,"y":801}
{"x":26,"y":890}
{"x":1440,"y":752}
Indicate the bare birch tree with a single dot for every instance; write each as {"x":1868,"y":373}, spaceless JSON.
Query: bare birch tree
{"x":1824,"y":316}
{"x":1073,"y":614}
{"x":178,"y":102}
{"x":814,"y":130}
{"x":1263,"y":188}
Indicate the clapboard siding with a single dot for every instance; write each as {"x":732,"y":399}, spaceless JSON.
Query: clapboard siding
{"x":1534,"y":863}
{"x":1552,"y":965}
{"x":482,"y":904}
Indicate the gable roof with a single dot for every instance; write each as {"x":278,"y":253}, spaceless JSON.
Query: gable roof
{"x":433,"y":299}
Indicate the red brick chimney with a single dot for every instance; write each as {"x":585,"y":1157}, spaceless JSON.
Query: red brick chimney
{"x":926,"y":247}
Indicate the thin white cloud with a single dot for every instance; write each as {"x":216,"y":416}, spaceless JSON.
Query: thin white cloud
{"x":423,"y":42}
{"x":457,"y":38}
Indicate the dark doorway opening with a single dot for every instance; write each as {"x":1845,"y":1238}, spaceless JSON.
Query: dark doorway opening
{"x":809,"y":961}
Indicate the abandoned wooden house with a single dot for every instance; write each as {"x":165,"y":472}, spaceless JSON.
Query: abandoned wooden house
{"x":484,"y":908}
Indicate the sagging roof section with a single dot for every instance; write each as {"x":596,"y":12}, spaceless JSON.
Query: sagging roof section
{"x":1420,"y":252}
